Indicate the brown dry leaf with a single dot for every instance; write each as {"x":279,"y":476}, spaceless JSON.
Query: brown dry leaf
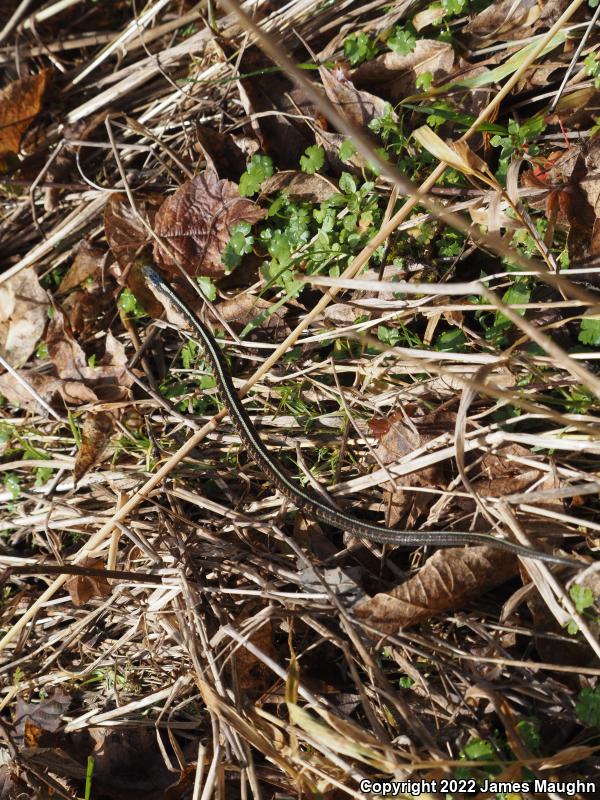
{"x":128,"y":238}
{"x":590,"y":182}
{"x":446,"y":580}
{"x":197,"y":222}
{"x":23,"y":316}
{"x":221,"y":152}
{"x":299,"y":186}
{"x":276,"y":110}
{"x":125,"y":232}
{"x":96,"y":433}
{"x":245,"y":309}
{"x":48,"y":387}
{"x":507,"y":19}
{"x":20,"y":103}
{"x":83,"y":587}
{"x":497,"y":475}
{"x":90,"y":291}
{"x":46,"y":715}
{"x":128,"y":764}
{"x":398,"y":437}
{"x":109,"y":379}
{"x":253,"y":674}
{"x":88,"y":263}
{"x":359,"y":107}
{"x":393,"y":75}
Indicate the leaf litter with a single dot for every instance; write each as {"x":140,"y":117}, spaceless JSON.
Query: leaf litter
{"x":256,"y":652}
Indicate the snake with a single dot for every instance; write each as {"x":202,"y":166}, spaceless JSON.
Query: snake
{"x":304,"y":500}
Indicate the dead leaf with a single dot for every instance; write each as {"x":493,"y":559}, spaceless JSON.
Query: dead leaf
{"x":398,"y":436}
{"x":506,"y":19}
{"x":48,"y":387}
{"x":197,"y":222}
{"x":23,"y":316}
{"x":109,"y":379}
{"x":299,"y":186}
{"x":128,"y":764}
{"x":88,"y":263}
{"x":45,"y":715}
{"x":276,"y":110}
{"x":590,"y":182}
{"x":245,"y":309}
{"x":221,"y":152}
{"x":393,"y":75}
{"x":20,"y":103}
{"x":360,"y":107}
{"x":252,"y":673}
{"x":83,"y":587}
{"x":128,"y":239}
{"x":96,"y":433}
{"x":446,"y":580}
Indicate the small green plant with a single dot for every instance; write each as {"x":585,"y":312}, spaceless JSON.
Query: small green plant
{"x":240,"y":243}
{"x":257,"y":171}
{"x":358,"y":47}
{"x":589,"y":332}
{"x":207,"y":287}
{"x":497,"y":326}
{"x":587,"y":707}
{"x":402,"y":40}
{"x":592,"y":67}
{"x":12,"y":484}
{"x":519,"y":140}
{"x":312,"y":160}
{"x":423,"y":81}
{"x":583,"y":599}
{"x":129,"y":305}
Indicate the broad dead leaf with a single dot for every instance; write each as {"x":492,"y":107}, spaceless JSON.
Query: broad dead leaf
{"x":590,"y":182}
{"x":129,"y":238}
{"x":447,"y":580}
{"x":197,"y":222}
{"x":48,"y":387}
{"x":96,"y":433}
{"x":513,"y":19}
{"x":393,"y":75}
{"x":20,"y":103}
{"x":276,"y":110}
{"x":108,"y":379}
{"x":83,"y":587}
{"x":252,"y":673}
{"x":300,"y":186}
{"x":360,"y":107}
{"x":90,"y":290}
{"x":221,"y":152}
{"x":88,"y":263}
{"x":23,"y":316}
{"x":45,"y":715}
{"x":399,"y":436}
{"x":507,"y":19}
